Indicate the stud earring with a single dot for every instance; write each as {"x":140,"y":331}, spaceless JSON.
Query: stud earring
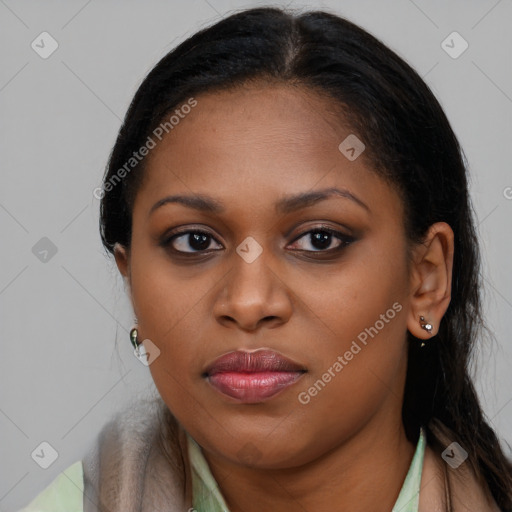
{"x":425,"y":325}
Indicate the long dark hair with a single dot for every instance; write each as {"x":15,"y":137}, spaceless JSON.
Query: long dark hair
{"x":412,"y":146}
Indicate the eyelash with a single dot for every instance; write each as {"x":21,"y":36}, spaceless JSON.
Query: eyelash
{"x":345,"y":240}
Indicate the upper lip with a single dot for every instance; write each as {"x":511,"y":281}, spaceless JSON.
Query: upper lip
{"x":259,"y":361}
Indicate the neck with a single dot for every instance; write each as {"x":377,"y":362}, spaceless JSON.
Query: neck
{"x":364,"y":473}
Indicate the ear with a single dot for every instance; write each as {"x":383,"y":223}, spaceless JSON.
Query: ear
{"x":122,"y":256}
{"x":431,"y":280}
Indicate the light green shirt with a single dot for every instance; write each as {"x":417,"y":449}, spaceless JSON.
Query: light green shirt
{"x":65,"y":493}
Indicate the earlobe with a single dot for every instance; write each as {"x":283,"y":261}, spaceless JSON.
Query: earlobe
{"x":121,"y":257}
{"x":431,"y":280}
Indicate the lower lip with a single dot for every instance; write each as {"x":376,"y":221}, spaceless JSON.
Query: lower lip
{"x":252,"y":387}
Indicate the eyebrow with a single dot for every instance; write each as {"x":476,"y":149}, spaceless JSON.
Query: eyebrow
{"x":286,"y":205}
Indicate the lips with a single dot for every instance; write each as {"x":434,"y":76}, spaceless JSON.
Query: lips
{"x":252,"y":377}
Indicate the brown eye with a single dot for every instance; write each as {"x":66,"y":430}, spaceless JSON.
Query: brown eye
{"x":191,"y":241}
{"x":324,"y":239}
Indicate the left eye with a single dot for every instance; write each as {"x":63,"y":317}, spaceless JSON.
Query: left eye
{"x":322,"y":238}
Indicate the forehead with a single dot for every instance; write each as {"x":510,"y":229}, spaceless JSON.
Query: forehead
{"x":278,"y":117}
{"x":257,"y":142}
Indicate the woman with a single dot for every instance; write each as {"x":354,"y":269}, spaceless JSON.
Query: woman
{"x":289,"y":207}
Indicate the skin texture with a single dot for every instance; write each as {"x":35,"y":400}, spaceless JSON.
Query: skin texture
{"x":249,"y":148}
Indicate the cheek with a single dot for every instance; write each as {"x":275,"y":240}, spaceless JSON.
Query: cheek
{"x":355,"y":370}
{"x":176,"y":371}
{"x":338,"y":402}
{"x":169,"y":311}
{"x":354,"y":300}
{"x":360,"y":342}
{"x":164,"y":294}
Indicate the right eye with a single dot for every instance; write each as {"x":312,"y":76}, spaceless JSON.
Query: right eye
{"x":197,"y":240}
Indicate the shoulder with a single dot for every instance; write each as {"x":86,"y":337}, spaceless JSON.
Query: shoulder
{"x":64,"y":494}
{"x":467,"y":492}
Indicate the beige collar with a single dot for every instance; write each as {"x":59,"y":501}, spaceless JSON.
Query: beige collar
{"x":444,"y":489}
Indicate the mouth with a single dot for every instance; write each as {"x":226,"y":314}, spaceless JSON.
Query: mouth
{"x":252,"y":377}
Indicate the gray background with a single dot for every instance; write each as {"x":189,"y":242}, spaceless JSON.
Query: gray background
{"x":66,"y":362}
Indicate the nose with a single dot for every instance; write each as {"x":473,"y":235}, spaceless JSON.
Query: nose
{"x":254,"y":295}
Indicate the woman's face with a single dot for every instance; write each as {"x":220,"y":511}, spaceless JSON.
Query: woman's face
{"x":264,"y":274}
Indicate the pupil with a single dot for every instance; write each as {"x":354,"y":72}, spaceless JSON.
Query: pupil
{"x":322,"y":239}
{"x":198,"y":241}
